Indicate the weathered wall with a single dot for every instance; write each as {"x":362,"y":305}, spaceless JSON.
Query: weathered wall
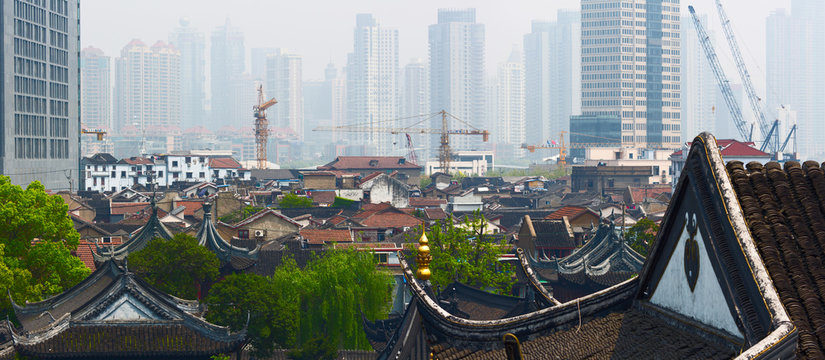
{"x":319,"y":182}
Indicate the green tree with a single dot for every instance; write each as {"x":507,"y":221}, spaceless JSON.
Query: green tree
{"x":641,"y":236}
{"x":342,"y":202}
{"x":465,"y":253}
{"x":295,"y":201}
{"x":318,"y":348}
{"x":296,"y":307}
{"x":271,"y":311}
{"x":36,"y":240}
{"x":178,"y":266}
{"x":241,"y":214}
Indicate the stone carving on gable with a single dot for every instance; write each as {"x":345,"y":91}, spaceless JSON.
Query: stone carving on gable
{"x":691,"y":252}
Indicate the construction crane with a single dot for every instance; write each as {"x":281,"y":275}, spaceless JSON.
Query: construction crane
{"x":721,"y":79}
{"x":262,"y":126}
{"x":766,"y":129}
{"x":411,"y":155}
{"x":98,"y":132}
{"x":444,"y":155}
{"x":562,"y":146}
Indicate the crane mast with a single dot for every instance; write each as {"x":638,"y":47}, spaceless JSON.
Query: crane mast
{"x":721,"y":79}
{"x":764,"y":126}
{"x":262,"y":126}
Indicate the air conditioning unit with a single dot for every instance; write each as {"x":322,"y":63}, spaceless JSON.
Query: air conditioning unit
{"x":260,"y":233}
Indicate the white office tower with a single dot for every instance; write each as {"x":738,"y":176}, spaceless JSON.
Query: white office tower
{"x":552,"y":71}
{"x":415,"y":100}
{"x":95,"y":99}
{"x":189,"y":41}
{"x":372,"y":84}
{"x":699,"y":86}
{"x":148,"y":87}
{"x":510,"y":129}
{"x":631,"y":74}
{"x":285,"y":83}
{"x":227,"y":67}
{"x":457,"y":73}
{"x":795,"y":60}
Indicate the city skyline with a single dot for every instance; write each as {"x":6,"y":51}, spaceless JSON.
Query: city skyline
{"x":506,"y":24}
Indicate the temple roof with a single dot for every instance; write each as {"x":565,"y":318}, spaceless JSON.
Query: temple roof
{"x":784,"y":210}
{"x":605,"y":260}
{"x":209,"y":237}
{"x":153,"y":229}
{"x":81,"y":321}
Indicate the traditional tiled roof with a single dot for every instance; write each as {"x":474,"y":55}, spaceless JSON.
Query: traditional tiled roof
{"x":122,"y":208}
{"x":639,"y":194}
{"x":784,"y":211}
{"x":476,"y":304}
{"x":254,"y":217}
{"x":323,"y":197}
{"x":321,"y":236}
{"x":420,"y":202}
{"x":136,"y":160}
{"x":552,"y":233}
{"x":224,"y":163}
{"x":153,"y":229}
{"x":734,"y":148}
{"x":436,"y":213}
{"x":93,"y":318}
{"x":368,"y":162}
{"x":209,"y":237}
{"x":385,"y":216}
{"x":571,"y":212}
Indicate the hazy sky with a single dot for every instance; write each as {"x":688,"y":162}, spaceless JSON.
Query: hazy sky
{"x":322,"y":31}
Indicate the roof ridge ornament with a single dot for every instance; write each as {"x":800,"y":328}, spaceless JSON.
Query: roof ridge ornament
{"x":423,"y":259}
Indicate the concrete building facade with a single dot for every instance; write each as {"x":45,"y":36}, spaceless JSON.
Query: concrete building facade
{"x":228,"y":61}
{"x":372,"y":83}
{"x":552,"y":70}
{"x":457,"y":63}
{"x":285,"y":83}
{"x":631,"y":68}
{"x":190,"y":42}
{"x":40,"y":93}
{"x":509,"y":128}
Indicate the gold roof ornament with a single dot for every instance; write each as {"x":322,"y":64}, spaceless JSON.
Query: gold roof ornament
{"x":423,"y":259}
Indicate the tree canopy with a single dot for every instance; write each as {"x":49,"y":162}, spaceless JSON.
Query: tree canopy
{"x":296,"y":306}
{"x":641,"y":236}
{"x":178,"y":266}
{"x":295,"y":201}
{"x":36,"y":240}
{"x":467,"y":255}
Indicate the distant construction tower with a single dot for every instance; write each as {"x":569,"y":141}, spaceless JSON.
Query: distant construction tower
{"x":262,"y":126}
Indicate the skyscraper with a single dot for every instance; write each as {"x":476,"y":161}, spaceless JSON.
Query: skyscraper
{"x":95,"y":98}
{"x":456,"y":45}
{"x":95,"y":89}
{"x":415,"y":101}
{"x":285,"y":83}
{"x":40,"y":88}
{"x":509,"y":129}
{"x":228,"y":63}
{"x":259,"y":56}
{"x":699,"y":87}
{"x":795,"y":60}
{"x":631,"y":72}
{"x":189,"y":41}
{"x":552,"y":70}
{"x":148,"y":87}
{"x":372,"y":82}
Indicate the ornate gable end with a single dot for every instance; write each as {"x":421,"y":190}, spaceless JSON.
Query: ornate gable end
{"x":126,"y":307}
{"x":697,"y":272}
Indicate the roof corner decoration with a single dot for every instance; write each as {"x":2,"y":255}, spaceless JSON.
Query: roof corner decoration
{"x":704,"y":268}
{"x":153,"y":229}
{"x":209,"y":237}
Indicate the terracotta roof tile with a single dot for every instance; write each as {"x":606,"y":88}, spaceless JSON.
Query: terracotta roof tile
{"x":638,"y":194}
{"x":321,"y":236}
{"x":122,"y":208}
{"x":420,"y":202}
{"x":369,"y":162}
{"x":571,"y":212}
{"x":224,"y":163}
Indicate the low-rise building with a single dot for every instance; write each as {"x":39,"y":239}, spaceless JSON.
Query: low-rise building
{"x":366,"y":165}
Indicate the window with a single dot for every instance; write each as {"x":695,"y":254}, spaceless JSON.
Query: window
{"x":107,"y":240}
{"x":188,"y":175}
{"x":160,"y":173}
{"x":381,"y":258}
{"x":114,"y":174}
{"x":243,"y":234}
{"x":201,"y":174}
{"x":174,"y":164}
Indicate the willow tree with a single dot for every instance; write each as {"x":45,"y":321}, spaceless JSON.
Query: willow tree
{"x":332,"y":292}
{"x":466,"y":253}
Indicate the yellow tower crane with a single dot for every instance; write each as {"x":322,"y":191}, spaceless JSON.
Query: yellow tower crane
{"x":262,"y":126}
{"x":444,"y":154}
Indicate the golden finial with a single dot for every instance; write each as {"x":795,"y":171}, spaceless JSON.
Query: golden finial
{"x":423,"y":259}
